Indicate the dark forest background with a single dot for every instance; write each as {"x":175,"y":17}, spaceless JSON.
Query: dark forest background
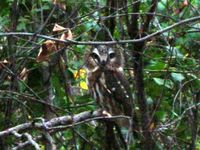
{"x":40,"y":81}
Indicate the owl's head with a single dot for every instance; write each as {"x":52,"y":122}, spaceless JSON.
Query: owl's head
{"x":104,"y":57}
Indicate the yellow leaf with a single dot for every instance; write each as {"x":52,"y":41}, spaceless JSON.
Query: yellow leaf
{"x":186,"y":55}
{"x":80,"y":74}
{"x":83,"y":85}
{"x":42,"y":147}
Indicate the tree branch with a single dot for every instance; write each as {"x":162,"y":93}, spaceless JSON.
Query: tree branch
{"x":182,"y":22}
{"x":57,"y":123}
{"x":136,"y":32}
{"x":54,"y":125}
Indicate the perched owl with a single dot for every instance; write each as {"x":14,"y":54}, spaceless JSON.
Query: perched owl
{"x":106,"y":80}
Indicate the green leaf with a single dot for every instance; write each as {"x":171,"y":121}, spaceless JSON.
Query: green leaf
{"x":162,"y":115}
{"x":149,"y":100}
{"x":161,"y":5}
{"x":177,"y":76}
{"x":167,"y":83}
{"x":62,"y":148}
{"x":156,"y":65}
{"x":159,"y":81}
{"x":175,"y":51}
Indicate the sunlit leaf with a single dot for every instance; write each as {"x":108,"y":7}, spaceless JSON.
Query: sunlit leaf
{"x":167,"y":83}
{"x":177,"y":76}
{"x":83,"y":85}
{"x":80,"y":73}
{"x":156,"y":65}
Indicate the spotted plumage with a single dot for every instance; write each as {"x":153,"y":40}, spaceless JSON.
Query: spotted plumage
{"x":106,"y":80}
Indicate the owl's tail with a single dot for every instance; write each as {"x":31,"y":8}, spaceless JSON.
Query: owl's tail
{"x":133,"y":133}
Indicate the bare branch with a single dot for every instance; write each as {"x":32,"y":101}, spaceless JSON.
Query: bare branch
{"x":54,"y":125}
{"x":16,"y":128}
{"x":182,"y":22}
{"x":30,"y":139}
{"x":63,"y":121}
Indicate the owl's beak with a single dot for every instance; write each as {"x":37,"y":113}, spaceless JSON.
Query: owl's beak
{"x":103,"y":62}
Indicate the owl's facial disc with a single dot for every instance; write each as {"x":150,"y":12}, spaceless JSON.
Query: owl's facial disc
{"x":100,"y":59}
{"x":112,"y":55}
{"x":95,"y":55}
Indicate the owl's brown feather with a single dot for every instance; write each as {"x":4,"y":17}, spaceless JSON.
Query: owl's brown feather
{"x":107,"y":82}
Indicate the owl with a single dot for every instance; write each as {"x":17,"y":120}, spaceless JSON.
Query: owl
{"x":107,"y":82}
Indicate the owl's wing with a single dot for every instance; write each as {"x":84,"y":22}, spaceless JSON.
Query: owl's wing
{"x":119,"y":89}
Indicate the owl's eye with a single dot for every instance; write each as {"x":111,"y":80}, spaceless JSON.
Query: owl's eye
{"x":112,"y":55}
{"x":95,"y":56}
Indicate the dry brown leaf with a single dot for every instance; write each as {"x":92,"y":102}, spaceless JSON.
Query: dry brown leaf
{"x":50,"y":46}
{"x":67,"y":35}
{"x":183,"y":5}
{"x":3,"y":63}
{"x":46,"y":50}
{"x":58,"y":28}
{"x":24,"y":74}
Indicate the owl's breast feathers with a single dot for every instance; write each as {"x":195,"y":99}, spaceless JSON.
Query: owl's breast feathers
{"x":111,"y":91}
